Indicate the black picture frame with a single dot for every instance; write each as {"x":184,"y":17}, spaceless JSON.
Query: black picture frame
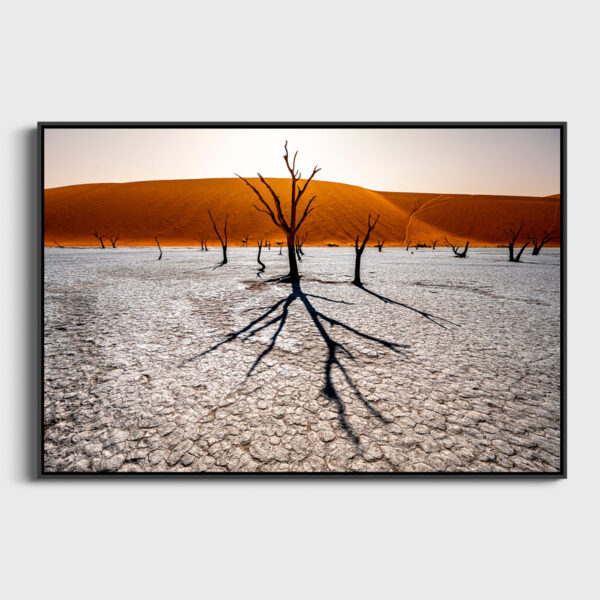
{"x":390,"y":476}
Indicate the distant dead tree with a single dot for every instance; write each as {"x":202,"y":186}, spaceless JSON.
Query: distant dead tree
{"x":434,"y":244}
{"x":260,"y":262}
{"x":58,"y":245}
{"x":100,"y":237}
{"x":456,"y":249}
{"x":546,"y":237}
{"x":245,"y":241}
{"x":268,"y":242}
{"x":114,"y":239}
{"x":515,"y":233}
{"x":280,"y":244}
{"x":420,"y":245}
{"x":159,"y":248}
{"x":222,"y":239}
{"x":299,"y":244}
{"x":360,"y":249}
{"x":408,"y":244}
{"x":292,"y":226}
{"x":379,"y":245}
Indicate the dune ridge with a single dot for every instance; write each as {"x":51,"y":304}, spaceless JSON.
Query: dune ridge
{"x":176,"y":211}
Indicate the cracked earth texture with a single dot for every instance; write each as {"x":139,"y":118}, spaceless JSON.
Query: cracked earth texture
{"x":175,"y":365}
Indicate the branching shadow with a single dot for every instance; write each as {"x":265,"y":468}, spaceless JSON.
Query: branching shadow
{"x":426,"y":315}
{"x":277,"y":315}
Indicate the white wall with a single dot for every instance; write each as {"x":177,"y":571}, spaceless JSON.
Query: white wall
{"x":296,"y":61}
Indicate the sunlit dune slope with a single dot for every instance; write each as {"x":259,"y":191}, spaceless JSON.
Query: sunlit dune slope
{"x":177,"y":212}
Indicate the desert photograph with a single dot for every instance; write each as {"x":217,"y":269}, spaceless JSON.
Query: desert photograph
{"x":302,"y":299}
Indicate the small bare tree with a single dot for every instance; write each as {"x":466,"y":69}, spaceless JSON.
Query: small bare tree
{"x":100,"y":237}
{"x":223,"y":238}
{"x":360,"y":249}
{"x":280,"y":244}
{"x":290,"y":225}
{"x":299,"y":243}
{"x":260,"y":262}
{"x":245,"y":241}
{"x":456,"y":249}
{"x":547,"y":236}
{"x":114,"y":239}
{"x":58,"y":245}
{"x":515,"y":233}
{"x":379,"y":245}
{"x":434,"y":244}
{"x":159,"y":248}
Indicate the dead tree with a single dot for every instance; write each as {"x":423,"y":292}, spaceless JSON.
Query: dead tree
{"x":100,"y":237}
{"x":456,"y":249}
{"x":268,"y":242}
{"x":379,"y":245}
{"x":260,"y":262}
{"x":360,"y":249}
{"x":58,"y":245}
{"x":159,"y":248}
{"x":515,"y":233}
{"x":548,"y":236}
{"x":299,"y":244}
{"x":223,"y":238}
{"x":245,"y":241}
{"x":280,"y":244}
{"x":290,"y":225}
{"x":408,"y":244}
{"x":434,"y":244}
{"x":114,"y":239}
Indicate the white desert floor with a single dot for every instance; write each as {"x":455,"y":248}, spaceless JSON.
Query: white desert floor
{"x":175,"y":365}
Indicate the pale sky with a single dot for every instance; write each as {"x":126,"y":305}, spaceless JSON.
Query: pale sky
{"x":468,"y":161}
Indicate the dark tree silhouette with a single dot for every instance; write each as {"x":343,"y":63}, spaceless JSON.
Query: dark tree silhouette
{"x":434,"y":244}
{"x":360,"y":249}
{"x":222,"y":239}
{"x":280,"y":244}
{"x":299,"y":243}
{"x":408,"y":244}
{"x":515,"y":233}
{"x":268,"y":242}
{"x":456,"y":249}
{"x":114,"y":239}
{"x":100,"y":237}
{"x":159,"y":248}
{"x":379,"y":245}
{"x":262,"y":264}
{"x":290,"y":225}
{"x":245,"y":241}
{"x":58,"y":245}
{"x":547,"y":237}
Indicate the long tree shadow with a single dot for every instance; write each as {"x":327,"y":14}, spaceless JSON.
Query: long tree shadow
{"x":426,"y":315}
{"x":277,"y":315}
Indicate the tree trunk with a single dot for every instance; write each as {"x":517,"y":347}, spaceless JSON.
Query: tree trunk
{"x":224,"y":255}
{"x":294,"y":276}
{"x":357,"y":280}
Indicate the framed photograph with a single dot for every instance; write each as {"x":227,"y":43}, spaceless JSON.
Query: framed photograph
{"x":302,"y":299}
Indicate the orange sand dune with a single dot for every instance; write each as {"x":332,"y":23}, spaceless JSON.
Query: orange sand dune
{"x":176,"y":211}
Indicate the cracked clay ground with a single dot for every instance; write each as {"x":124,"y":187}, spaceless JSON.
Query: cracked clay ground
{"x":176,"y":366}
